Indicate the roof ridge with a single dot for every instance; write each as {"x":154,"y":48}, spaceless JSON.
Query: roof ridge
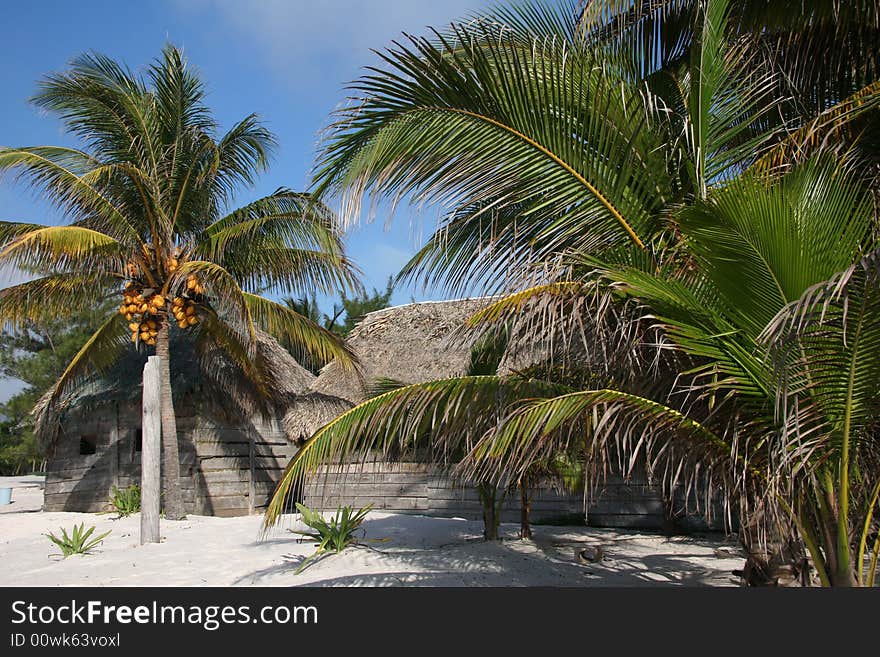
{"x":425,"y":303}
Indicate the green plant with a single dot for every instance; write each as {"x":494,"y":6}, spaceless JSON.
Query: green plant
{"x":79,"y":541}
{"x":151,"y":224}
{"x":649,"y":157}
{"x":335,"y":535}
{"x":127,"y":500}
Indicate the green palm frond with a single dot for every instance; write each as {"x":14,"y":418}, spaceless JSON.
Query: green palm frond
{"x":293,"y":219}
{"x":59,"y":173}
{"x":66,"y":248}
{"x":451,"y":121}
{"x":48,"y":297}
{"x":761,"y":244}
{"x":611,"y":426}
{"x":96,"y":356}
{"x":424,"y":421}
{"x":310,"y":342}
{"x":242,"y":152}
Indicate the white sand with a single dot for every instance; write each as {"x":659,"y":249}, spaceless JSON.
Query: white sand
{"x":419,"y":551}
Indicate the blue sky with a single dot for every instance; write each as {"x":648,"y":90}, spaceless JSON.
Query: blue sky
{"x":287,"y":60}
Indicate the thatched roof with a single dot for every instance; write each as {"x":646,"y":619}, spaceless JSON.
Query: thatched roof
{"x":310,"y":412}
{"x":411,"y":343}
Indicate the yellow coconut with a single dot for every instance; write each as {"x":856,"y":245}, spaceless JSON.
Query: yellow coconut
{"x":158,"y":301}
{"x":190,"y":310}
{"x":182,"y":324}
{"x":134,"y":326}
{"x":192,"y":321}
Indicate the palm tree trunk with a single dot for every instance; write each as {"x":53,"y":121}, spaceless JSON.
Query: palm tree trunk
{"x":170,"y":451}
{"x":491,"y":510}
{"x":525,"y":498}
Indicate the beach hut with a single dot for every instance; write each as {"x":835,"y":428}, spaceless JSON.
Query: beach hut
{"x":232,"y":451}
{"x":420,"y":342}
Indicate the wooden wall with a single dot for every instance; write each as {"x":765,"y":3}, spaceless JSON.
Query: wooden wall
{"x":228,"y":471}
{"x":416,"y":488}
{"x":224,"y":470}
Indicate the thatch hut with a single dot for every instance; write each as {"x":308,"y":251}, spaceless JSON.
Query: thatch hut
{"x":420,"y":342}
{"x":232,"y":451}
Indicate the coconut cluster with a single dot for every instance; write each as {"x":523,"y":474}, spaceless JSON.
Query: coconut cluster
{"x":146,"y":308}
{"x":143,"y":312}
{"x":184,"y":311}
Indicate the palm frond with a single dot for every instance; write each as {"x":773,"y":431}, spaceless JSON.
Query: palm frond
{"x":49,"y":297}
{"x":65,"y":248}
{"x":309,"y":341}
{"x":452,"y":122}
{"x":424,"y":421}
{"x":96,"y":356}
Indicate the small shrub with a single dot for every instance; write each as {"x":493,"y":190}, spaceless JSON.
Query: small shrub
{"x":334,"y":535}
{"x":127,"y":500}
{"x":78,"y":542}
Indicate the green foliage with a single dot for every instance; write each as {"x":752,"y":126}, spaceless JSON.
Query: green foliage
{"x":79,"y":541}
{"x":37,"y":356}
{"x":127,"y":500}
{"x":357,"y":306}
{"x":685,"y":159}
{"x":148,"y":203}
{"x":335,"y":535}
{"x":347,"y":312}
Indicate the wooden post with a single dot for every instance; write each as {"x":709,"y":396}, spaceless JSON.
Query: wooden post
{"x":151,"y":452}
{"x":114,"y":446}
{"x":252,"y":458}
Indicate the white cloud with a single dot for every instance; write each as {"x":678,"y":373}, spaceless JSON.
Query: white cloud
{"x":298,"y":37}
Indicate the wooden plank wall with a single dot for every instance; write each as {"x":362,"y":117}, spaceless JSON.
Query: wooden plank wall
{"x":417,"y":488}
{"x":224,"y":471}
{"x":233,"y":471}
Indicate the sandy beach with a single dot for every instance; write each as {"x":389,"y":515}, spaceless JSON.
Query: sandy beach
{"x":404,"y":550}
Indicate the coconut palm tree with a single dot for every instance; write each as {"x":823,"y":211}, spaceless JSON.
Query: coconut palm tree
{"x":654,"y":154}
{"x":149,"y":197}
{"x":778,"y":310}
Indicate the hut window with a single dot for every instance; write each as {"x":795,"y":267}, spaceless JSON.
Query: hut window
{"x":88,"y":444}
{"x":138,"y":440}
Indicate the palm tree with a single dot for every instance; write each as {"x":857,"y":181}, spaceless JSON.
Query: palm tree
{"x":656,"y":155}
{"x":778,"y":312}
{"x":151,"y":223}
